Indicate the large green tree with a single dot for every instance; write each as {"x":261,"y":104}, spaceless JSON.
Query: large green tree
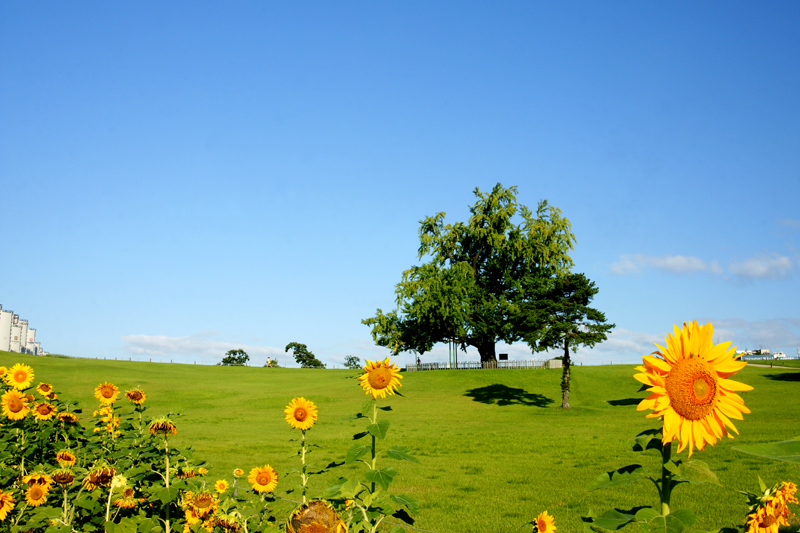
{"x":303,"y":356}
{"x":479,"y":277}
{"x":566,"y":321}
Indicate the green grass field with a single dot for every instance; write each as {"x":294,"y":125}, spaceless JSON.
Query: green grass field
{"x":495,"y":448}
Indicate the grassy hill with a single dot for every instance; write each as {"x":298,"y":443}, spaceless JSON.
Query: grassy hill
{"x":495,"y":448}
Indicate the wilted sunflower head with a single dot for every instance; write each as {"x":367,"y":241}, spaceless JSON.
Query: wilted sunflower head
{"x":380,"y":378}
{"x":301,"y":413}
{"x":62,"y":476}
{"x":135,"y":396}
{"x":316,"y":516}
{"x":162,"y":426}
{"x":126,"y":499}
{"x":36,"y":495}
{"x":37,"y":478}
{"x":67,"y":418}
{"x":204,"y":504}
{"x":66,"y":458}
{"x":230,"y":523}
{"x":19,"y":376}
{"x":186,"y":472}
{"x":99,"y":476}
{"x":15,"y":405}
{"x":106,"y":393}
{"x":263,"y":479}
{"x":690,"y":389}
{"x":44,"y":411}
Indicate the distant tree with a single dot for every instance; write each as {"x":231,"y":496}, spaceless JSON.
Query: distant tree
{"x":353,"y":362}
{"x":566,"y":320}
{"x":235,"y":357}
{"x":480,"y":277}
{"x":303,"y":357}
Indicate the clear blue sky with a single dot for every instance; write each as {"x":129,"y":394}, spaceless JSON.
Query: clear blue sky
{"x":178,"y":179}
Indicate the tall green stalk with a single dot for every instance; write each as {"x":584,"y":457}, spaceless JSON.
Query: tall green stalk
{"x":666,"y":478}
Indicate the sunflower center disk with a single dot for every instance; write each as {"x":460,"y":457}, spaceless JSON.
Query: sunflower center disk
{"x":15,"y":405}
{"x":300,"y":414}
{"x":263,"y":479}
{"x":20,"y":377}
{"x":692,"y":388}
{"x":380,"y":378}
{"x":36,"y":492}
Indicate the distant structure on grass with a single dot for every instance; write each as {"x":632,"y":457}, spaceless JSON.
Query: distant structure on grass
{"x":16,"y":335}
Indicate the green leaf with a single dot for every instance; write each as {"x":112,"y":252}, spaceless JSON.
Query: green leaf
{"x":382,"y":477}
{"x":352,"y":417}
{"x":617,"y":478}
{"x":686,"y":516}
{"x":613,"y":520}
{"x":167,"y":495}
{"x":397,"y":529}
{"x":379,"y":430}
{"x":351,"y":488}
{"x":333,"y":490}
{"x":355,"y":452}
{"x":694,"y":471}
{"x":401,"y":453}
{"x":676,"y":522}
{"x":366,"y":407}
{"x":648,"y":440}
{"x":787,"y":450}
{"x":407,"y":501}
{"x":385,"y":408}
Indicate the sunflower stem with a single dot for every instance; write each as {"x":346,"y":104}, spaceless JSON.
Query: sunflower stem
{"x":166,"y":477}
{"x":303,"y":460}
{"x":374,"y":455}
{"x":666,"y":478}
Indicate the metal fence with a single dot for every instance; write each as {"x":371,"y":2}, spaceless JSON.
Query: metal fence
{"x":471,"y":365}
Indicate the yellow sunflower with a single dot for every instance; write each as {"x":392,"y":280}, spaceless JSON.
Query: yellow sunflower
{"x":36,"y":495}
{"x":263,"y":479}
{"x":19,"y":376}
{"x":136,"y":396}
{"x":45,"y":389}
{"x":221,"y":486}
{"x":38,"y":478}
{"x":44,"y":411}
{"x":204,"y":504}
{"x":381,"y":377}
{"x":15,"y":405}
{"x":316,"y":516}
{"x":106,"y":393}
{"x":238,"y":472}
{"x":690,"y":389}
{"x":66,"y":458}
{"x":544,"y":523}
{"x":202,"y":471}
{"x":301,"y":413}
{"x":3,"y":372}
{"x":7,"y":502}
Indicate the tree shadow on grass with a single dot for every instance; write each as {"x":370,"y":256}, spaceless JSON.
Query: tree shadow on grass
{"x":625,"y":401}
{"x":503,"y":395}
{"x":784,"y":376}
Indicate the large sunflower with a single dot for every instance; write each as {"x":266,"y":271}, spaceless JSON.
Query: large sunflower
{"x":544,"y":523}
{"x":106,"y":393}
{"x":15,"y":405}
{"x":301,"y":413}
{"x":38,"y":478}
{"x":690,"y":388}
{"x":36,"y":495}
{"x":7,"y":502}
{"x":44,"y":411}
{"x":263,"y":479}
{"x":19,"y":376}
{"x":380,"y":377}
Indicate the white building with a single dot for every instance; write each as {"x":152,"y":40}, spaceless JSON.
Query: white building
{"x":6,"y":318}
{"x":16,"y":335}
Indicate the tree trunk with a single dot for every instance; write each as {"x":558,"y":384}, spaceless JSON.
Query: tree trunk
{"x":565,"y":377}
{"x":486,"y":349}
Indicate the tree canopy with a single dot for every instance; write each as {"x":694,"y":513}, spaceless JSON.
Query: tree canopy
{"x":480,"y":278}
{"x":235,"y":357}
{"x":303,"y":356}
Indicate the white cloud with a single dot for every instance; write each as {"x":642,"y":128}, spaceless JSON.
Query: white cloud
{"x":678,"y":264}
{"x":763,"y":267}
{"x":199,"y":347}
{"x":773,"y":334}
